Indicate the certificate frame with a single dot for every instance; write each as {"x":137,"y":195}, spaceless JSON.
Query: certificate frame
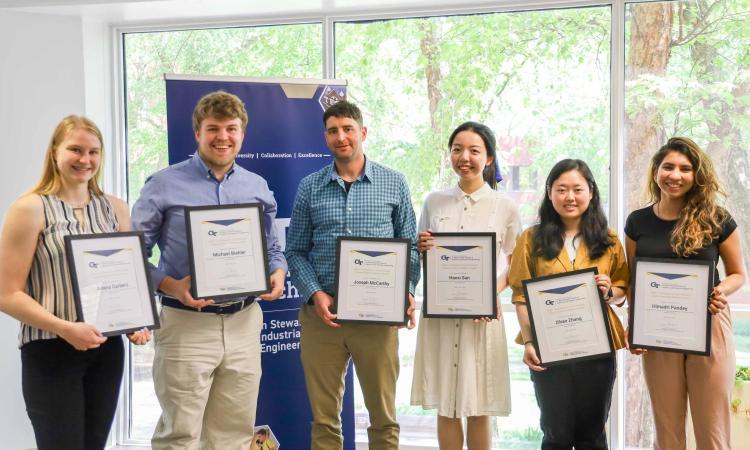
{"x":350,"y":250}
{"x":545,"y":298}
{"x":250,"y":236}
{"x":111,"y":262}
{"x":652,"y":274}
{"x":481,"y":245}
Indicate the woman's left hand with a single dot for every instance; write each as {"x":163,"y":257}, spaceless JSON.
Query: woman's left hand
{"x":604,"y":284}
{"x":140,"y":337}
{"x":717,"y":301}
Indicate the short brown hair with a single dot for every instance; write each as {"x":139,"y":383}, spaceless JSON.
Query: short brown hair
{"x":343,"y":108}
{"x":219,"y":105}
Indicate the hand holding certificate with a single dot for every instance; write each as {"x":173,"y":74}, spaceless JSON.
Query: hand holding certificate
{"x":669,"y":310}
{"x":569,"y":320}
{"x":227,"y":247}
{"x":372,"y":280}
{"x":460,"y":276}
{"x":110,"y":283}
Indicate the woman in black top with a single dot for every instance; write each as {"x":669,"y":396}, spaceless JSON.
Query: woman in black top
{"x":684,"y":220}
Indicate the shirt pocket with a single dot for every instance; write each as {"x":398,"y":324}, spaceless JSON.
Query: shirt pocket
{"x":443,"y":223}
{"x":381,"y":223}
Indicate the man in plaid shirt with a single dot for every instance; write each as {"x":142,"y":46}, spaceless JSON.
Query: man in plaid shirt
{"x":357,"y":197}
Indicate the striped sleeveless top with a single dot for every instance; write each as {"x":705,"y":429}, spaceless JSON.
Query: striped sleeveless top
{"x":49,"y":278}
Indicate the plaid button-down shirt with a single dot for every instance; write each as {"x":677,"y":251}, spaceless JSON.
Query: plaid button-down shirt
{"x":378,"y":204}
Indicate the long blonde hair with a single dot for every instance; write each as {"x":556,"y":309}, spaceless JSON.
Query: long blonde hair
{"x":50,"y":182}
{"x":701,"y":219}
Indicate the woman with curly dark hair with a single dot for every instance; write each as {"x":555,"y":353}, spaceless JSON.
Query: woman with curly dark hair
{"x":684,"y":220}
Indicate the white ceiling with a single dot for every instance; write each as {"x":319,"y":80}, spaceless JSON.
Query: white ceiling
{"x":130,"y":11}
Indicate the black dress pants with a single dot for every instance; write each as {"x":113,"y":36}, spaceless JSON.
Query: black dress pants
{"x":71,"y":396}
{"x":574,"y":400}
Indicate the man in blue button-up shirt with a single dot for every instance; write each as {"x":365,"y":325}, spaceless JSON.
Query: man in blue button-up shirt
{"x":207,"y":361}
{"x":354,"y":196}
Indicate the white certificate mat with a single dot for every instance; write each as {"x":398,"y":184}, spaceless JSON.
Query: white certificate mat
{"x":569,"y":320}
{"x":372,"y":280}
{"x":460,"y":278}
{"x":111,"y":285}
{"x":227,"y":247}
{"x":670,"y":305}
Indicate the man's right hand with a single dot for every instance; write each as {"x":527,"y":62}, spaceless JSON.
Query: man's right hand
{"x":180,"y":289}
{"x":82,"y":336}
{"x":323,"y":304}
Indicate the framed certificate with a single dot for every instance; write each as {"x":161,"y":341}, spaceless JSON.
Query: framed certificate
{"x":569,"y":318}
{"x":372,"y":280}
{"x":669,"y":308}
{"x":111,"y":285}
{"x":227,"y":248}
{"x":460,"y":276}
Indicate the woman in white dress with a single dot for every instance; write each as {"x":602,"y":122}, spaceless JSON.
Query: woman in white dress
{"x":461,"y":365}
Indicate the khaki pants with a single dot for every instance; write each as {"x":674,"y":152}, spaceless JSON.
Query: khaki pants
{"x":673,"y":379}
{"x":325,"y":358}
{"x":206,"y":376}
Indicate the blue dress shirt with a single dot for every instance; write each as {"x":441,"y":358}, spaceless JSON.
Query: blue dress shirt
{"x":160,"y":214}
{"x":378,"y":204}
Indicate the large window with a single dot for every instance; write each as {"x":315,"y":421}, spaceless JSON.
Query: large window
{"x":542,"y":80}
{"x":539,"y":79}
{"x":284,"y":51}
{"x":687,"y":73}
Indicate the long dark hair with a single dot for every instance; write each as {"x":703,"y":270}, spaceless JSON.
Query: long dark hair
{"x":548,"y":236}
{"x":484,"y":132}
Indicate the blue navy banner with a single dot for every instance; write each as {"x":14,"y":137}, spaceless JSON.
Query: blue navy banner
{"x":283,"y":143}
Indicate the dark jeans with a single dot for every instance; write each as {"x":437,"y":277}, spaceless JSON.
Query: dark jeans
{"x":574,"y":400}
{"x":71,"y":396}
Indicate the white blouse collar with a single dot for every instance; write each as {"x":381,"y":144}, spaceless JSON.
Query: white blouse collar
{"x":475,"y":196}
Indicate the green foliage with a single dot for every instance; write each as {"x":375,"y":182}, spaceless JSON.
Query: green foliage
{"x":285,"y":51}
{"x":542,"y":77}
{"x":523,"y":439}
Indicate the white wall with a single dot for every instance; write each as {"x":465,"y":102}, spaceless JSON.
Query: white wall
{"x":41,"y":81}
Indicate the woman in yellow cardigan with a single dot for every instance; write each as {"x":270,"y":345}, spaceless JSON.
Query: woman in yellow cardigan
{"x":572,"y":234}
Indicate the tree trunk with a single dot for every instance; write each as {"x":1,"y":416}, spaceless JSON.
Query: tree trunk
{"x":429,"y":46}
{"x":648,"y":54}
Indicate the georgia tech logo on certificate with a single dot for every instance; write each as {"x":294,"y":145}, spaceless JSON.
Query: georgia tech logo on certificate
{"x":669,"y":310}
{"x":372,"y":280}
{"x":569,"y":319}
{"x":111,"y":286}
{"x":460,"y":276}
{"x":227,"y":251}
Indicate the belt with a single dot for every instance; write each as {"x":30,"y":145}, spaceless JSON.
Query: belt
{"x":222,"y":309}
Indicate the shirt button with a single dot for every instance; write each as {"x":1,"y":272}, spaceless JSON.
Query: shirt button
{"x":348,"y":209}
{"x":456,"y":325}
{"x":349,"y":231}
{"x":465,"y":208}
{"x":462,"y":227}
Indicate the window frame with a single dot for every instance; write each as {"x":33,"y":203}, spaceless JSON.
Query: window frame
{"x":117,"y":165}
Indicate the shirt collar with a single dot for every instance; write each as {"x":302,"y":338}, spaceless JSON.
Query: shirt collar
{"x":203,"y":169}
{"x":366,"y":174}
{"x":475,"y":196}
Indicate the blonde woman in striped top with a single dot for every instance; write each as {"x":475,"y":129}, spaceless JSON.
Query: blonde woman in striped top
{"x":70,"y":373}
